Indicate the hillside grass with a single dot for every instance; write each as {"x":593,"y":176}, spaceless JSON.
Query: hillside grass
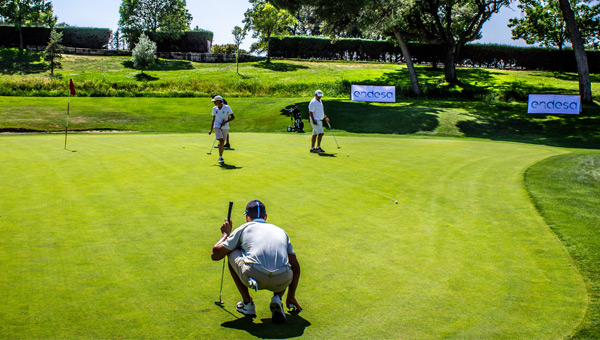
{"x":26,"y":75}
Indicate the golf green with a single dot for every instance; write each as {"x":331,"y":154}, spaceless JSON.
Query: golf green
{"x":111,"y":238}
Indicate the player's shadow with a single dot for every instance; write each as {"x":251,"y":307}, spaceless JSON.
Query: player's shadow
{"x":327,"y":154}
{"x":229,"y":167}
{"x":293,"y":327}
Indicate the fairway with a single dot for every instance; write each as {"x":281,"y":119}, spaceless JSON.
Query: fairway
{"x":111,"y":239}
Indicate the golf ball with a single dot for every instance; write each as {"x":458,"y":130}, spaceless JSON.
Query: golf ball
{"x":347,"y":155}
{"x":396,"y":202}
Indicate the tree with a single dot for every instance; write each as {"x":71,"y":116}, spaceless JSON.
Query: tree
{"x":27,"y":12}
{"x":144,"y":53}
{"x":307,"y":21}
{"x":585,"y":86}
{"x":451,"y":24}
{"x":238,"y":37}
{"x":152,"y":16}
{"x":267,"y":21}
{"x":543,"y":23}
{"x":339,"y":17}
{"x":54,"y":50}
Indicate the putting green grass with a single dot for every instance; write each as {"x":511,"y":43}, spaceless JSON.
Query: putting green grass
{"x":111,"y":239}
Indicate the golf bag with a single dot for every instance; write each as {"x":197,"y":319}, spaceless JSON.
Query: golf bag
{"x":297,"y":123}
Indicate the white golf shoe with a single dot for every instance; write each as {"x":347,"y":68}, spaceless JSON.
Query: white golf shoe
{"x":246,"y":308}
{"x":277,"y":313}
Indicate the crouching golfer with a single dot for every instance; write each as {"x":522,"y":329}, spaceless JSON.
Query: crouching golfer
{"x":222,"y":115}
{"x":260,"y":257}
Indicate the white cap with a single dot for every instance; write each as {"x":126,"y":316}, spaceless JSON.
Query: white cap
{"x":217,"y":98}
{"x":319,"y":93}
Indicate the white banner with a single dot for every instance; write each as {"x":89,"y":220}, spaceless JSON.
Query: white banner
{"x":554,"y":103}
{"x":367,"y":93}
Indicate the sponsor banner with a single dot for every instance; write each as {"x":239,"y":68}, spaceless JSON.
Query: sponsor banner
{"x":554,"y":103}
{"x":367,"y":93}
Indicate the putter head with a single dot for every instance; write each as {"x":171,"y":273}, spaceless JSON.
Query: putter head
{"x":220,"y":303}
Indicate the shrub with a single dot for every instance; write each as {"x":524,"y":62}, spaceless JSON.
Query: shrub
{"x":144,"y":53}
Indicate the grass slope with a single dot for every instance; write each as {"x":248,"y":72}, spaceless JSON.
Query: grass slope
{"x":25,"y":75}
{"x":566,"y":190}
{"x":499,"y":121}
{"x":113,"y":240}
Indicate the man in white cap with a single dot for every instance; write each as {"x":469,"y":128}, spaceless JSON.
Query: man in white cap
{"x":317,"y":114}
{"x":260,"y":256}
{"x":222,"y":115}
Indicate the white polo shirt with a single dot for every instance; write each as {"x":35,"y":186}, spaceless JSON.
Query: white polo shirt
{"x":221,"y":115}
{"x":262,"y":243}
{"x":316,"y":107}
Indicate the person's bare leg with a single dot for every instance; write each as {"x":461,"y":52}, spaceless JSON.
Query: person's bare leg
{"x":319,"y":140}
{"x":240,"y":285}
{"x":221,"y":147}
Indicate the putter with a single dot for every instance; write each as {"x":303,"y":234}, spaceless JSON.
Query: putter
{"x":211,"y":149}
{"x":220,"y":303}
{"x":330,"y":129}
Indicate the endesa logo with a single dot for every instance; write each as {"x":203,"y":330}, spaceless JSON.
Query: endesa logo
{"x":373,"y":95}
{"x":382,"y":94}
{"x":554,"y":103}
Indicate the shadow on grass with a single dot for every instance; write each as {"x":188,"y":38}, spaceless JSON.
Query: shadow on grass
{"x":489,"y":120}
{"x":229,"y":167}
{"x":362,"y":117}
{"x":293,"y":327}
{"x":165,"y":65}
{"x":145,"y":77}
{"x":279,"y":66}
{"x":594,"y":78}
{"x":474,"y":84}
{"x":13,"y":61}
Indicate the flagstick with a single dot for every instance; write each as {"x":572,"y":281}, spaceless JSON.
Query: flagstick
{"x":67,"y":127}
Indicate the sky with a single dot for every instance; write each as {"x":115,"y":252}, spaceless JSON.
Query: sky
{"x":220,"y":17}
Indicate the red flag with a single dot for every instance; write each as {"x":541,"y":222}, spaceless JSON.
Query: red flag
{"x":72,"y":87}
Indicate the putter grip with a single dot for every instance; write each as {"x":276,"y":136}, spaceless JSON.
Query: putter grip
{"x":229,"y":212}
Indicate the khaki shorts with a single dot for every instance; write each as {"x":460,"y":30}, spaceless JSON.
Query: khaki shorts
{"x":221,"y":133}
{"x":317,"y":128}
{"x":275,"y":281}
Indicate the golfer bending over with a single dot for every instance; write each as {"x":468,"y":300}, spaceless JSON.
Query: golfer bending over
{"x":260,"y":257}
{"x":317,"y":114}
{"x":222,"y":115}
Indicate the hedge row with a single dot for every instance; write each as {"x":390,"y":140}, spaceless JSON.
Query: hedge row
{"x":476,"y":55}
{"x":82,"y":37}
{"x":190,"y":41}
{"x":98,"y":38}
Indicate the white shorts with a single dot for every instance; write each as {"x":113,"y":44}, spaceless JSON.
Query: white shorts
{"x":221,"y":133}
{"x":317,"y":128}
{"x":276,"y":281}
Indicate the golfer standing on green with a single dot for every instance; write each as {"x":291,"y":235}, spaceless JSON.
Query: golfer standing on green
{"x":260,"y":256}
{"x":222,"y":115}
{"x":317,"y":114}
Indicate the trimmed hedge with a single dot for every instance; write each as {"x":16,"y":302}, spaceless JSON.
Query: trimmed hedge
{"x":475,"y":55}
{"x":82,"y":37}
{"x":99,"y":38}
{"x":190,"y":41}
{"x":85,"y":37}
